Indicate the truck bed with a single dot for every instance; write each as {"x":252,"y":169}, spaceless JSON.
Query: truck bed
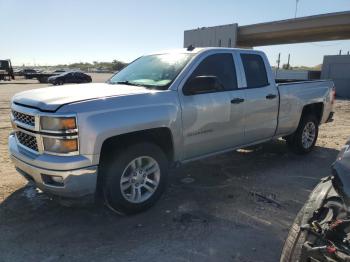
{"x":295,"y":95}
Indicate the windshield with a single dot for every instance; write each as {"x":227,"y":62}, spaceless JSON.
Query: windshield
{"x":155,"y":71}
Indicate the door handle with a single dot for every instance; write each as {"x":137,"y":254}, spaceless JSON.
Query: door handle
{"x":271,"y":96}
{"x":237,"y":100}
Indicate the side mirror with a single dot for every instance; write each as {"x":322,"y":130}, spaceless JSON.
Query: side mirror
{"x":202,"y":85}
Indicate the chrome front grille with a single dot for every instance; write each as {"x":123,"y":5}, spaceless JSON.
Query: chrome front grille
{"x":27,"y":140}
{"x":24,"y":118}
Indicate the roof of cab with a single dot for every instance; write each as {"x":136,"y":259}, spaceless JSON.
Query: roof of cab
{"x":197,"y":50}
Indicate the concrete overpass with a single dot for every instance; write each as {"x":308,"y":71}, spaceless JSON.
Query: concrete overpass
{"x":333,"y":26}
{"x":325,"y":27}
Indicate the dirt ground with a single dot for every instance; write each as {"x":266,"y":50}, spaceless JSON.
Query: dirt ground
{"x":209,"y":212}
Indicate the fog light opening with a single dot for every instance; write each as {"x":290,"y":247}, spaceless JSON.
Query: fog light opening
{"x":53,"y":180}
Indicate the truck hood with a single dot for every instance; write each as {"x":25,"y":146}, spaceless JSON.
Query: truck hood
{"x":51,"y":98}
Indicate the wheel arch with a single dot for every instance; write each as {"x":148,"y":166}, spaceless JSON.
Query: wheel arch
{"x":315,"y":109}
{"x":161,"y":136}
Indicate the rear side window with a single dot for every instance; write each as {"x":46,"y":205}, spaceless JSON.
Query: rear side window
{"x":221,"y":66}
{"x":255,"y":71}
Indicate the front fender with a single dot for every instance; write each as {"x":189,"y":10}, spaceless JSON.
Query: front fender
{"x":321,"y":192}
{"x":101,"y":119}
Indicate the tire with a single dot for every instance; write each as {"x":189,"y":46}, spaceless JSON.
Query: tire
{"x":292,"y":248}
{"x":123,"y":169}
{"x":295,"y":141}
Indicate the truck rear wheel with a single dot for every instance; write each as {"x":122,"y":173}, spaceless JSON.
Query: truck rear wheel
{"x":135,"y":178}
{"x":304,"y":138}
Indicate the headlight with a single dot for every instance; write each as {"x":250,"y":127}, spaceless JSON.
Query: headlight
{"x":60,"y":145}
{"x":58,"y":123}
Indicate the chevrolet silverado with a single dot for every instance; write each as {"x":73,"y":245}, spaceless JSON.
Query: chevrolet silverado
{"x":118,"y":139}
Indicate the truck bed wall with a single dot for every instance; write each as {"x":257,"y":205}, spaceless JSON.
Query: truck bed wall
{"x":293,"y":98}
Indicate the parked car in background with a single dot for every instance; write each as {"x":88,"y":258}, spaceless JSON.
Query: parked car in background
{"x":60,"y":71}
{"x":24,"y":71}
{"x":30,"y":73}
{"x":321,"y":230}
{"x":118,"y":139}
{"x":43,"y":76}
{"x":70,"y":77}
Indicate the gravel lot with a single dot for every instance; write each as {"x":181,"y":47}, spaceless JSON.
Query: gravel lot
{"x":207,"y":214}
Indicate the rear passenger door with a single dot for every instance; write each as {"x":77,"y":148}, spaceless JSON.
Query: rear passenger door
{"x":211,"y":121}
{"x":261,"y":98}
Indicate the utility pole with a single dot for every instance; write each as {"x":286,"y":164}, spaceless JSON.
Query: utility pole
{"x":278,"y":63}
{"x":296,"y":8}
{"x":288,"y":61}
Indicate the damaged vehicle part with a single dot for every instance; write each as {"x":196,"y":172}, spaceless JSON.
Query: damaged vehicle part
{"x":321,"y":230}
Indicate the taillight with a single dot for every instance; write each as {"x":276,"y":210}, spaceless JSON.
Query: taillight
{"x":332,"y":95}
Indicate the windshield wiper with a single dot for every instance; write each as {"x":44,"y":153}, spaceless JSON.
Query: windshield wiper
{"x":125,"y":83}
{"x":128,"y":83}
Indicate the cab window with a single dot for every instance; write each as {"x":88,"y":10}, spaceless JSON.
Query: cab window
{"x":255,"y":71}
{"x":220,"y":66}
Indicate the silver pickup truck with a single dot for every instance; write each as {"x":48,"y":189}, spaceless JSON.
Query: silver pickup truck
{"x":118,"y":139}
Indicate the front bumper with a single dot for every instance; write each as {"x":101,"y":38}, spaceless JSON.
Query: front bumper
{"x":76,"y":182}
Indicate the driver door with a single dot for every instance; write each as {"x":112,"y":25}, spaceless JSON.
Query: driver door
{"x":213,"y":121}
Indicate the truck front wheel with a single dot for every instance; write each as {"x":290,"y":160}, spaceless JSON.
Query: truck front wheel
{"x":135,"y":178}
{"x":303,"y":140}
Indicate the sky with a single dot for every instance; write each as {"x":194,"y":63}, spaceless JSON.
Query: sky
{"x":48,"y":32}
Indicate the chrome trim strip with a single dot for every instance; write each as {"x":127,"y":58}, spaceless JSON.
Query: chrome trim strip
{"x":40,"y":143}
{"x":20,"y":124}
{"x":59,"y":137}
{"x":68,"y":131}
